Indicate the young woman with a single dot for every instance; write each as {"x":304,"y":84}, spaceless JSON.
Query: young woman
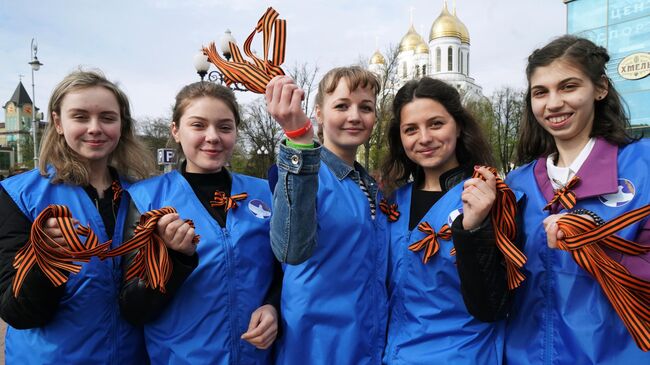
{"x":326,"y":227}
{"x":88,"y":154}
{"x":217,"y":306}
{"x":435,"y":146}
{"x":573,"y":144}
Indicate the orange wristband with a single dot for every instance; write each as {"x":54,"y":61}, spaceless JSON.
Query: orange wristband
{"x":300,"y":131}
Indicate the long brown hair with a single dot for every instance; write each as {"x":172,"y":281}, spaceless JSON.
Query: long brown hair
{"x":472,"y":147}
{"x":610,"y":118}
{"x":130,"y":158}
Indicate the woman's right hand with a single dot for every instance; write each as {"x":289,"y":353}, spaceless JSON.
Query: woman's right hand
{"x":284,"y":104}
{"x":176,"y":233}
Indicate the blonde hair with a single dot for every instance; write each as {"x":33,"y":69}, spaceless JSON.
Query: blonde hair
{"x":356,"y":77}
{"x":131,"y":158}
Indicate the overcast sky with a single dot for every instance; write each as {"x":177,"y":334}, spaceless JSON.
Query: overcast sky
{"x":148,"y":45}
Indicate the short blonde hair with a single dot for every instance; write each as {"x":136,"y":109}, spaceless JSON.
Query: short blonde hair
{"x":356,"y":77}
{"x":130,"y":158}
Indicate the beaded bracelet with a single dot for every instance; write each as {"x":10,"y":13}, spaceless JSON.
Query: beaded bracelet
{"x":300,"y":131}
{"x":599,"y":221}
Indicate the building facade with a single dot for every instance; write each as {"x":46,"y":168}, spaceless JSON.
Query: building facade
{"x":445,"y":55}
{"x":623,"y":27}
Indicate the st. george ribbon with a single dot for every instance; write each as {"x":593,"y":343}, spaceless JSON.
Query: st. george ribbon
{"x":255,"y":75}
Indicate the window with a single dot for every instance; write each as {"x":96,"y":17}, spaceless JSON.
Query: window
{"x":424,"y":70}
{"x":417,"y":71}
{"x":404,"y":70}
{"x":450,"y":57}
{"x":438,"y":61}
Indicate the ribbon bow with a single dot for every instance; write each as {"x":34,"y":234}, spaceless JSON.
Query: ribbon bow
{"x":52,"y":257}
{"x":629,"y":295}
{"x":430,"y":241}
{"x":151,"y":262}
{"x":390,"y":210}
{"x":227,"y":202}
{"x":564,"y":195}
{"x":117,"y":190}
{"x":254,"y":75}
{"x":505,"y":229}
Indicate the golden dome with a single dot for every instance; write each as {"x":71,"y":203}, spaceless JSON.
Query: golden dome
{"x":446,"y":25}
{"x":464,"y":33}
{"x":377,"y":59}
{"x":422,"y":48}
{"x":411,"y":40}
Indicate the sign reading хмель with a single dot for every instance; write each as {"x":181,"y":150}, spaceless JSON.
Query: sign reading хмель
{"x":635,"y":66}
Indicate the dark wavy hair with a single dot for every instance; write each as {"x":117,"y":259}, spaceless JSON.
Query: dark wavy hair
{"x":610,"y":117}
{"x":472,"y":147}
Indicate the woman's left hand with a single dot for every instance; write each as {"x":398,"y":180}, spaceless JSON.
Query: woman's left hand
{"x":478,"y":197}
{"x":263,"y":327}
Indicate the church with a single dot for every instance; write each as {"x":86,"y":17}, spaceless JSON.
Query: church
{"x":445,"y":56}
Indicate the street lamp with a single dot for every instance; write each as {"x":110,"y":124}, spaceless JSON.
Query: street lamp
{"x":202,"y":65}
{"x":36,"y":65}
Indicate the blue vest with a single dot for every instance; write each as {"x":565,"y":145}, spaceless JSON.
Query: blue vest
{"x":211,"y":310}
{"x":428,"y":320}
{"x":334,"y":304}
{"x":87,"y":328}
{"x":560,"y":314}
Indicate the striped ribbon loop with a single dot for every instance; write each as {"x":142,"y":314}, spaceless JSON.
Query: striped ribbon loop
{"x":117,"y":190}
{"x":151,"y":263}
{"x":51,"y":257}
{"x":255,"y":75}
{"x":629,"y":295}
{"x":502,"y":216}
{"x":227,"y":202}
{"x":564,"y":195}
{"x":390,"y":210}
{"x":430,"y":242}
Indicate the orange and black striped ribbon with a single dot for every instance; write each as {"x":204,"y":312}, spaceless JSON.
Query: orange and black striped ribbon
{"x":151,"y":263}
{"x":564,"y":195}
{"x":227,"y":202}
{"x":430,"y":242}
{"x":390,"y":210}
{"x":117,"y":190}
{"x":255,"y":75}
{"x":502,"y":216}
{"x":629,"y":295}
{"x":51,"y":257}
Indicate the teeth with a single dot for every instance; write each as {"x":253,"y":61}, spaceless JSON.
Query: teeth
{"x":558,"y":119}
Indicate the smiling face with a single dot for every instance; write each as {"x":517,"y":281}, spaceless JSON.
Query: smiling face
{"x":206,"y":132}
{"x":346,"y":118}
{"x":562,"y":100}
{"x":89,"y":120}
{"x":429,"y":134}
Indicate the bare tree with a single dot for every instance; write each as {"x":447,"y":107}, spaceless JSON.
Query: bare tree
{"x":155,"y":132}
{"x":304,"y":74}
{"x":507,"y":104}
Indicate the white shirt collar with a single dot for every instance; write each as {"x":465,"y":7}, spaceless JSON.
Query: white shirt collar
{"x":559,"y":176}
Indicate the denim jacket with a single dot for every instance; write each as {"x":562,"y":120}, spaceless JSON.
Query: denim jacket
{"x":293,"y":224}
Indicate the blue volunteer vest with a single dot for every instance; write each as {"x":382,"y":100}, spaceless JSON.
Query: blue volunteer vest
{"x":87,"y":328}
{"x":428,"y":320}
{"x":211,"y":310}
{"x":334,"y":304}
{"x":560,"y":314}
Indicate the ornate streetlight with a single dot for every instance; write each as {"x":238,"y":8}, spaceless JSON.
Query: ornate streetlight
{"x":36,"y":65}
{"x":202,"y":65}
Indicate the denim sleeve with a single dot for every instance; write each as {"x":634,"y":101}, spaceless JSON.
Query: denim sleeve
{"x":293,"y":224}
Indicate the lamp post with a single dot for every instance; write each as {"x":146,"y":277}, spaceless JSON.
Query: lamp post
{"x":36,"y":65}
{"x":202,"y":65}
